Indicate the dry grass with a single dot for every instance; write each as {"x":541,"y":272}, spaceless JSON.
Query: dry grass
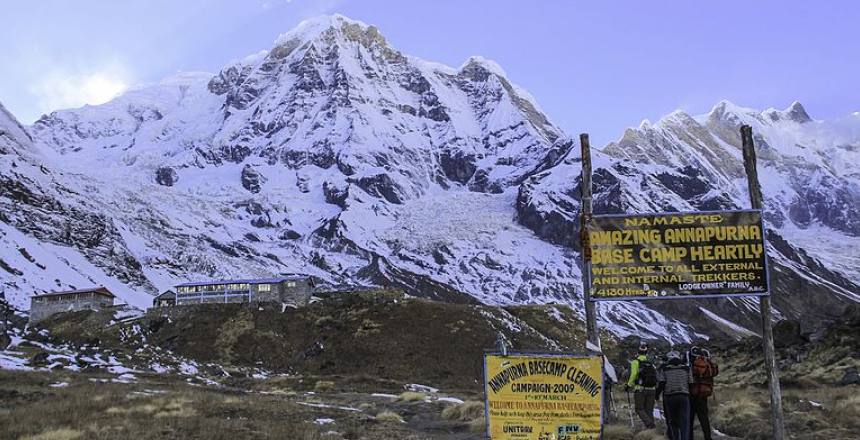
{"x":650,"y":434}
{"x":624,"y":432}
{"x":389,"y":416}
{"x":325,"y":321}
{"x":478,"y":425}
{"x":846,"y":411}
{"x":735,"y":417}
{"x":411,"y":396}
{"x":56,"y":434}
{"x":106,"y":411}
{"x":159,"y":408}
{"x":230,"y":332}
{"x":617,"y":432}
{"x":368,"y":327}
{"x":464,"y":412}
{"x":323,"y":386}
{"x":367,"y":406}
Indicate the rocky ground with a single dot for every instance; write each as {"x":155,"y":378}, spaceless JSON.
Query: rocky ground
{"x":374,"y":365}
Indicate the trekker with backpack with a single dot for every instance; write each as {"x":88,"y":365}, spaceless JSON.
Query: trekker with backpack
{"x":703,"y":370}
{"x":674,"y":379}
{"x":643,"y":380}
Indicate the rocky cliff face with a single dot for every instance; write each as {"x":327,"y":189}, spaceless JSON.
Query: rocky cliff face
{"x":336,"y":155}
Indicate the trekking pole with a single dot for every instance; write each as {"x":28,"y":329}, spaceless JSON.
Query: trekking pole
{"x":612,"y":407}
{"x":630,"y":410}
{"x":613,"y":411}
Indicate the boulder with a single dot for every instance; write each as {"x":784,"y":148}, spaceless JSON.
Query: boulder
{"x":166,"y":176}
{"x":851,"y":377}
{"x":289,"y":234}
{"x":40,"y":359}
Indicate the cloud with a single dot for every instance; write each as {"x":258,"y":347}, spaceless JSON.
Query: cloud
{"x":269,"y":4}
{"x":63,"y":89}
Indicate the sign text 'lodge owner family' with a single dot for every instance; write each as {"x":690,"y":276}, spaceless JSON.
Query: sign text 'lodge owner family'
{"x":543,"y":396}
{"x":677,"y":255}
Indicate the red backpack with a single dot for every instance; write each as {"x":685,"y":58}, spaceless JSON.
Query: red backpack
{"x":704,"y":370}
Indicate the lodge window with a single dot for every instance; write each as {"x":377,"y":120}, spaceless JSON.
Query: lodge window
{"x":264,"y":288}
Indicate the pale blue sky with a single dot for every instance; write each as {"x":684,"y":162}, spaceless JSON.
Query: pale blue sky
{"x":596,"y":66}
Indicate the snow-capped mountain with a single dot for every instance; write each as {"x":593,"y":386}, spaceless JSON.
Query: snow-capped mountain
{"x":809,"y":171}
{"x":336,"y":155}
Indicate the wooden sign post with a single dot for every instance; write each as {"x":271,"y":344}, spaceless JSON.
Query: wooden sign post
{"x":592,"y":332}
{"x":763,"y":291}
{"x":764,"y":302}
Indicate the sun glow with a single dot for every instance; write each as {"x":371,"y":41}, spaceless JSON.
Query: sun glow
{"x":58,"y":91}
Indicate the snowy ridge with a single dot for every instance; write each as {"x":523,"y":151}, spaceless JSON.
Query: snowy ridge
{"x":334,"y":154}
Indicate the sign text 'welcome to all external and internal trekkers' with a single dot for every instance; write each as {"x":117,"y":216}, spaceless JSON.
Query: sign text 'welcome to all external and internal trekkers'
{"x":677,"y":255}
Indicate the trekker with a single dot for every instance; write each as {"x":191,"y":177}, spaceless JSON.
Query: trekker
{"x":643,"y":379}
{"x":703,"y":370}
{"x":674,"y":380}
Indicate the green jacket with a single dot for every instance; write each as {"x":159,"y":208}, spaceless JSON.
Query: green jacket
{"x":634,"y":373}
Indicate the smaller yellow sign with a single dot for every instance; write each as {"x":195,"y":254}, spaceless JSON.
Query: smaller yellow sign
{"x":543,"y":396}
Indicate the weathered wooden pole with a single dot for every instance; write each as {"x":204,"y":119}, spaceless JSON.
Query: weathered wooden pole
{"x":764,"y":301}
{"x":585,"y":191}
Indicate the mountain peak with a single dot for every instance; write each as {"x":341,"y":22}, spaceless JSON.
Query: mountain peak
{"x":794,"y":113}
{"x":481,"y":62}
{"x":797,"y":113}
{"x":726,"y":107}
{"x":311,"y":29}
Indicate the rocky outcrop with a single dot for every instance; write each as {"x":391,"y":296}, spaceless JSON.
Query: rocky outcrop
{"x":457,"y":167}
{"x":336,"y":194}
{"x":380,"y":185}
{"x":252,"y":180}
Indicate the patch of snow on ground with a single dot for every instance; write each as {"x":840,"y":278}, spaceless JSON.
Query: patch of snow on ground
{"x":158,"y":368}
{"x":125,"y":378}
{"x":188,"y":368}
{"x":325,"y":405}
{"x":420,"y":388}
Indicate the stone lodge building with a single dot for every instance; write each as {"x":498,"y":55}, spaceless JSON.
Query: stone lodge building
{"x":47,"y":304}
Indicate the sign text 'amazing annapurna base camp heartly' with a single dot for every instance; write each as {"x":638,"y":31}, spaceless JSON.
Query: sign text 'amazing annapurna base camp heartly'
{"x":543,"y":396}
{"x":677,"y":255}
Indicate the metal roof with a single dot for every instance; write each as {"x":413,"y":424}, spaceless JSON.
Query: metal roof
{"x":166,"y":293}
{"x":101,"y":290}
{"x":274,"y":280}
